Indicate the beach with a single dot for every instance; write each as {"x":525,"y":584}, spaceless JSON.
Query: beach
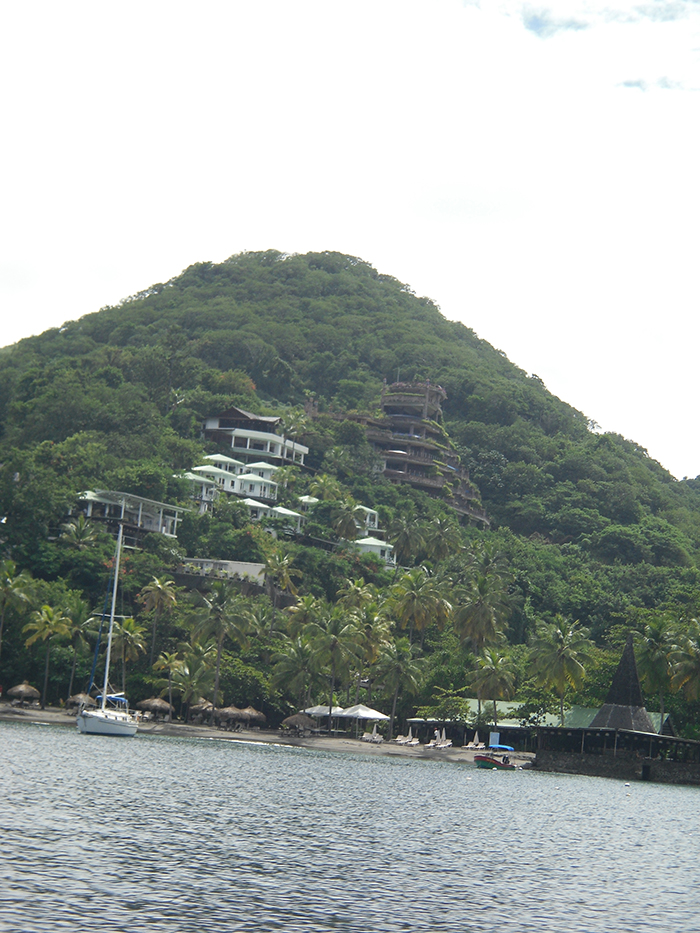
{"x":340,"y":744}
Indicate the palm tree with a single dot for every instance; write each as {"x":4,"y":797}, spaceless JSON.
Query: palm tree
{"x":47,"y":623}
{"x":558,"y":655}
{"x":127,"y":641}
{"x":170,"y":662}
{"x":416,"y":600}
{"x":79,"y":533}
{"x":158,"y":597}
{"x":481,"y":611}
{"x":295,"y":669}
{"x":486,"y":560}
{"x":79,"y":618}
{"x":307,"y":609}
{"x":294,"y":425}
{"x":685,"y":659}
{"x":15,"y":589}
{"x":223,"y":614}
{"x":373,"y":627}
{"x":326,"y":488}
{"x":442,"y":538}
{"x":193,"y":677}
{"x":407,"y":537}
{"x":399,"y":670}
{"x":278,"y":575}
{"x":494,"y":678}
{"x":333,"y":638}
{"x":345,"y":516}
{"x":653,"y":653}
{"x":356,"y":594}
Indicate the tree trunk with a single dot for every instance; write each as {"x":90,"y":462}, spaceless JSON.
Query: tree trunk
{"x":393,"y":713}
{"x":72,"y":672}
{"x":153,"y":636}
{"x":170,"y":691}
{"x":495,"y":715}
{"x":561,"y":708}
{"x":330,"y":701}
{"x":216,"y":679}
{"x":2,"y":625}
{"x":661,"y":710}
{"x":46,"y":675}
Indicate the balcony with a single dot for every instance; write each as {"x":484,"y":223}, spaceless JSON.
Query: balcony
{"x":416,"y":479}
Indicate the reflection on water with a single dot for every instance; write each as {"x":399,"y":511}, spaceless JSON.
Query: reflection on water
{"x":188,"y":835}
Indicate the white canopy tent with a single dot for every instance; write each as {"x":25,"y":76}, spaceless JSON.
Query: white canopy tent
{"x":362,"y":712}
{"x":323,"y":710}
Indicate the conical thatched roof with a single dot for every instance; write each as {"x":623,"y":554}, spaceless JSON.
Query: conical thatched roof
{"x":299,"y":721}
{"x":254,"y":714}
{"x":155,"y":705}
{"x":81,"y":699}
{"x":624,"y":704}
{"x":24,"y":691}
{"x":232,"y":712}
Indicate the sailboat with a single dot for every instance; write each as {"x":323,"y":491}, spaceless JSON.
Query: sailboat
{"x":112,"y":717}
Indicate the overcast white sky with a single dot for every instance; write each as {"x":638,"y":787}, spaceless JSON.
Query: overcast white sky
{"x":532,"y":167}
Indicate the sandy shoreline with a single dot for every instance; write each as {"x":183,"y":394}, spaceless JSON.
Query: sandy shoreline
{"x":60,"y":717}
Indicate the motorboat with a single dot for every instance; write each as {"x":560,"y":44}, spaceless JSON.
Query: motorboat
{"x":112,"y":716}
{"x":493,"y":762}
{"x":496,"y":756}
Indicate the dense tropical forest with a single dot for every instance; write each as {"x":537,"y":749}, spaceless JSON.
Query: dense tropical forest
{"x":589,"y":538}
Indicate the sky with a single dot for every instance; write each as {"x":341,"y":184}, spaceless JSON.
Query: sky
{"x":531,"y":167}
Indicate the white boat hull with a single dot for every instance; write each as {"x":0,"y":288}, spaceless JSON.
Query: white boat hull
{"x":106,"y":722}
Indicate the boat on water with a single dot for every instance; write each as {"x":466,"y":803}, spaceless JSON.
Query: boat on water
{"x":112,"y":716}
{"x":492,"y":761}
{"x":496,"y":756}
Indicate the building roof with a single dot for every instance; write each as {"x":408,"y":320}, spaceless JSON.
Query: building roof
{"x":375,"y":542}
{"x":254,"y":504}
{"x":624,"y":704}
{"x":242,"y":413}
{"x":221,"y":458}
{"x":113,"y":497}
{"x":212,"y":471}
{"x":254,"y":476}
{"x":261,"y":465}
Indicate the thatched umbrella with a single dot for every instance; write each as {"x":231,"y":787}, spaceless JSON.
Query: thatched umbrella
{"x":254,"y":715}
{"x":204,"y":706}
{"x":155,"y":705}
{"x":81,"y":699}
{"x":299,"y":721}
{"x":24,"y":691}
{"x":230,"y":712}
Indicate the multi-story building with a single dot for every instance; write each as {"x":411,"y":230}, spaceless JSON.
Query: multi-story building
{"x":415,"y":449}
{"x":254,"y":437}
{"x":137,"y":515}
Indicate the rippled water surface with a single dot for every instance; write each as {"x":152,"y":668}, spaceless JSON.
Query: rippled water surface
{"x":184,"y":835}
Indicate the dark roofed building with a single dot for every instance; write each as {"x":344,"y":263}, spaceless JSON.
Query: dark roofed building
{"x":624,"y":704}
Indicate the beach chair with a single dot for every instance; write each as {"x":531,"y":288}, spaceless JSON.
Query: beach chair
{"x":412,"y":742}
{"x":401,"y":739}
{"x":367,"y":737}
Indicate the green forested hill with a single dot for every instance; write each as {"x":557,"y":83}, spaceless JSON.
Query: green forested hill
{"x":592,"y":528}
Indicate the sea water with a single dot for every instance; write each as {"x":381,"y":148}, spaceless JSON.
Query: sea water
{"x":187,"y":835}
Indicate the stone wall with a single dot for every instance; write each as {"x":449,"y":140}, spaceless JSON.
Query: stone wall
{"x":624,"y":766}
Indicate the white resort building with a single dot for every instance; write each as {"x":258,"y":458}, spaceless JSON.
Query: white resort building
{"x":254,"y":437}
{"x":138,"y":515}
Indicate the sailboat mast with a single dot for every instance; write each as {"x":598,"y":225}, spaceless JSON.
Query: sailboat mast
{"x":111,"y":616}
